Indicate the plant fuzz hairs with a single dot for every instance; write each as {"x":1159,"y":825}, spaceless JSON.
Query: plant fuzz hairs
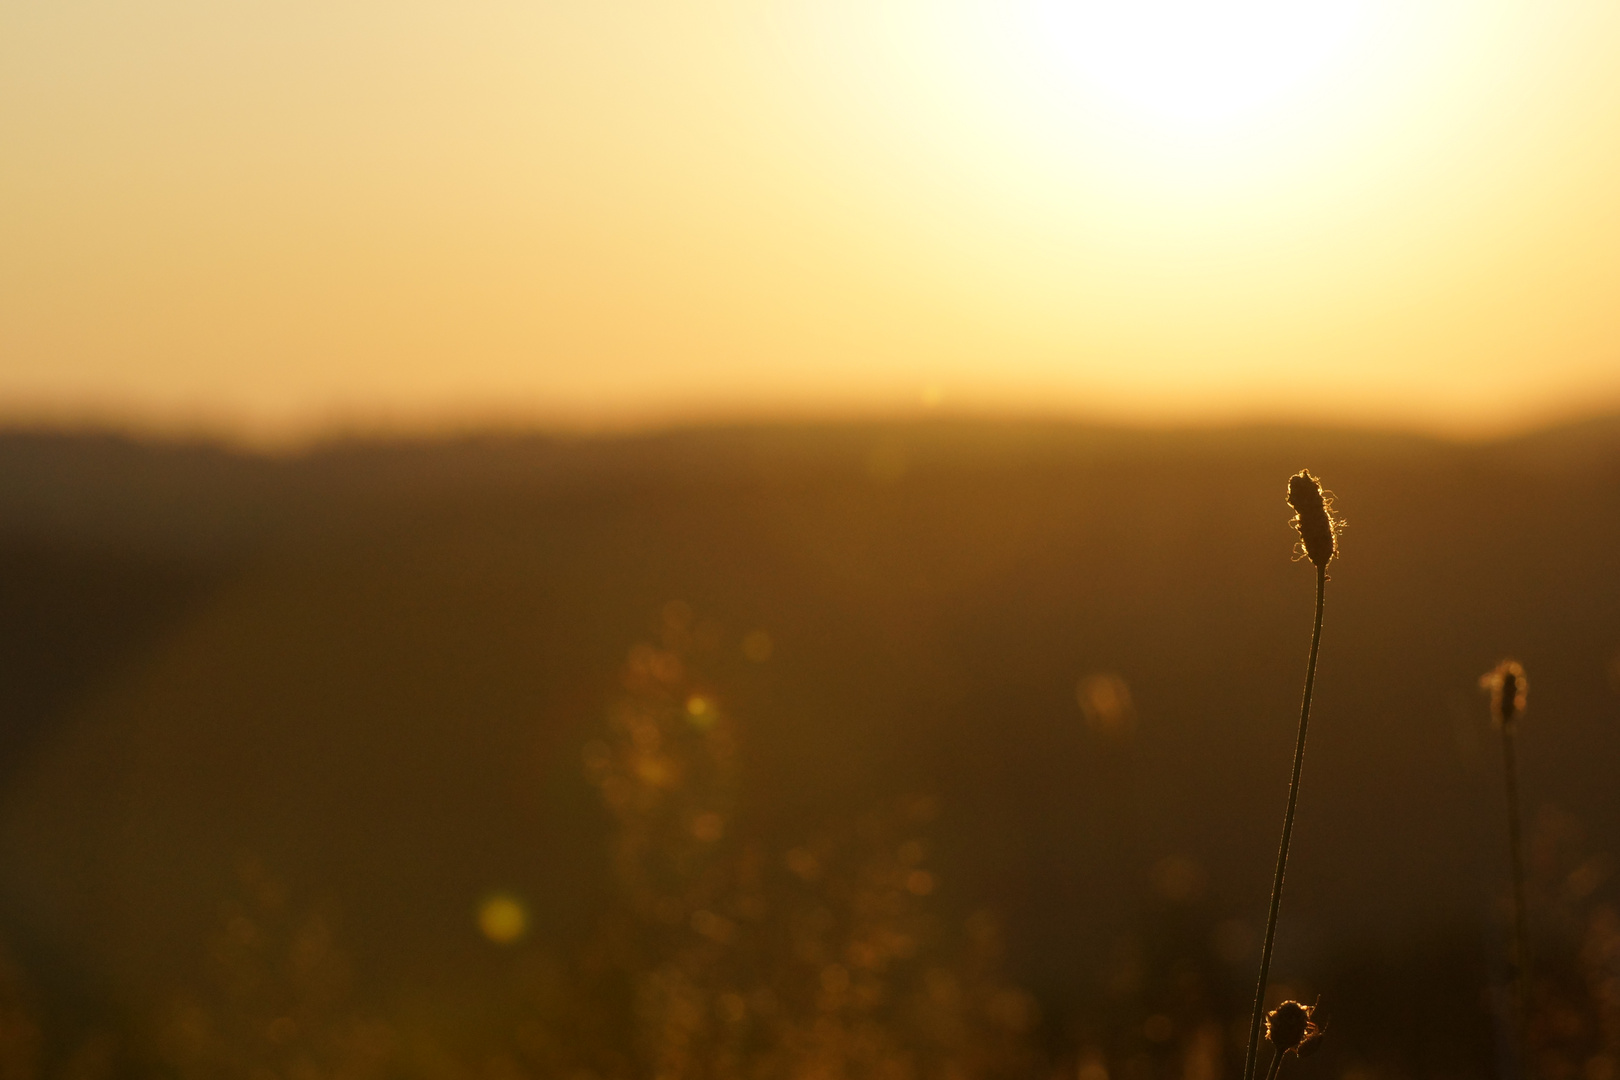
{"x":1318,"y":533}
{"x":1313,"y":518}
{"x":1290,"y":1030}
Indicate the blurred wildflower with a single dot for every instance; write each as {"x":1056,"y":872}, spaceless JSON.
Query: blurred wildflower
{"x":1508,"y":689}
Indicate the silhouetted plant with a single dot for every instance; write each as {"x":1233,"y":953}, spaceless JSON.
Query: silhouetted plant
{"x":1290,"y":1030}
{"x":1508,"y":688}
{"x":1318,"y":539}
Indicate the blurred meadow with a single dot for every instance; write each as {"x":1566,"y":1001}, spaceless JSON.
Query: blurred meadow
{"x":947,"y":749}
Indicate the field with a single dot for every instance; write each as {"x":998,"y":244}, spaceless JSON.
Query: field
{"x":278,"y":731}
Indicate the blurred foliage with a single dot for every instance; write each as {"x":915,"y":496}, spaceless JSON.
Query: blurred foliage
{"x":1575,"y":1014}
{"x":277,"y":1004}
{"x":725,"y":957}
{"x":377,"y":664}
{"x":20,"y":1035}
{"x":718,"y":956}
{"x":723,"y":953}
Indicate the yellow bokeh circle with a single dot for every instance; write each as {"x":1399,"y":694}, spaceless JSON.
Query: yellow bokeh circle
{"x":502,"y":918}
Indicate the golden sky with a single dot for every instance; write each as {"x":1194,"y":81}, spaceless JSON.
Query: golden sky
{"x":275,"y":216}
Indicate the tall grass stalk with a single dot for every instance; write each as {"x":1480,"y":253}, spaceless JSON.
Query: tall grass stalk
{"x":1521,"y":922}
{"x":1318,"y":535}
{"x":1509,"y":689}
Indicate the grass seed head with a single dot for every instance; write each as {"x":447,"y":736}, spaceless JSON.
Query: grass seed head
{"x":1508,"y":688}
{"x":1290,"y":1029}
{"x":1313,"y":518}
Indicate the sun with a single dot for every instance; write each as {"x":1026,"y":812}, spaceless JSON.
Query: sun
{"x":1199,"y":64}
{"x":1102,"y":118}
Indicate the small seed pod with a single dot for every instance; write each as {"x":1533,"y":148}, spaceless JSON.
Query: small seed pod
{"x":1508,"y":688}
{"x":1313,"y":518}
{"x":1289,"y":1027}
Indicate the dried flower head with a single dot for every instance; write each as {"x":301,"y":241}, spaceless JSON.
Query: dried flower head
{"x":1289,"y":1028}
{"x":1508,"y":688}
{"x":1313,"y":517}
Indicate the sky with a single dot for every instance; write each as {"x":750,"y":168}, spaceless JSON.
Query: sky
{"x":279,"y":219}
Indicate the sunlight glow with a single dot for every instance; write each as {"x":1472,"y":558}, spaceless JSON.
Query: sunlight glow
{"x":1196,"y":62}
{"x":608,"y":215}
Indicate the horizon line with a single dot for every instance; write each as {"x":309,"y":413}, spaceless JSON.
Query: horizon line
{"x":393,"y":429}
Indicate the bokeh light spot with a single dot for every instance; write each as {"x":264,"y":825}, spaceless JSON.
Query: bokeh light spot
{"x":700,"y":711}
{"x":732,"y":1008}
{"x":503,"y":919}
{"x":708,"y":827}
{"x":655,"y":772}
{"x":712,"y":926}
{"x":1105,"y":701}
{"x":804,"y":864}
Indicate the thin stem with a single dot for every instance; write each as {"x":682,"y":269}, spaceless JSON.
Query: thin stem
{"x":1521,"y":925}
{"x":1276,"y":1064}
{"x":1287,"y":833}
